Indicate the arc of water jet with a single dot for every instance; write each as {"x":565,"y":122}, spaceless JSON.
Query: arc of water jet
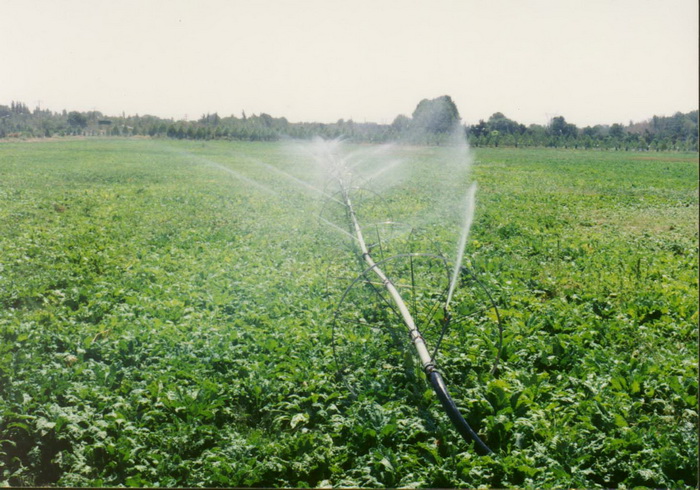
{"x":336,"y":227}
{"x":230,"y":171}
{"x":296,"y":179}
{"x":260,"y":186}
{"x":381,"y":171}
{"x":468,"y":218}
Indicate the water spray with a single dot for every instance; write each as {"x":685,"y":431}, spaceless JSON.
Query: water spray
{"x":340,"y":173}
{"x":342,"y":170}
{"x":468,"y":218}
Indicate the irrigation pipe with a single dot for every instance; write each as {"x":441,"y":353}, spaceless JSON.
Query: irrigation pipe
{"x":435,"y":378}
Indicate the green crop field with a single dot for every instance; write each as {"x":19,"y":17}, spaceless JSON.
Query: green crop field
{"x":166,"y":307}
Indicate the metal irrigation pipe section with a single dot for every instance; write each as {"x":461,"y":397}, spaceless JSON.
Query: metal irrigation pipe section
{"x":431,"y":372}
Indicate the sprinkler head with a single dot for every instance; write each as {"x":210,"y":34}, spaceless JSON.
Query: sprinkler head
{"x":447,"y":317}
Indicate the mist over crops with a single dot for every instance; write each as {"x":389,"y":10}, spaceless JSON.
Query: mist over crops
{"x":166,"y":316}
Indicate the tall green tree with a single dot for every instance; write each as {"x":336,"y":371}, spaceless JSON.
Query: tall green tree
{"x":77,"y":120}
{"x":560,"y":128}
{"x":438,"y":115}
{"x":499,"y":122}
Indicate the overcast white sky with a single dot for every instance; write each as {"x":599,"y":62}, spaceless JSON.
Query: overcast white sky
{"x":592,"y":61}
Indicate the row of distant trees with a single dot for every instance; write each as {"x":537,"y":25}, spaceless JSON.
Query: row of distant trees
{"x":433,"y":122}
{"x":678,"y":132}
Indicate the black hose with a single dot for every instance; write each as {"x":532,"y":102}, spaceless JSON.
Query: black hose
{"x":458,"y":421}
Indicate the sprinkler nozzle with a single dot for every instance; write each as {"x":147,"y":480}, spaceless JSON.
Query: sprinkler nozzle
{"x":447,"y":317}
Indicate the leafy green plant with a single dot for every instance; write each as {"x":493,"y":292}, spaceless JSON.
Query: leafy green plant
{"x":164,"y":322}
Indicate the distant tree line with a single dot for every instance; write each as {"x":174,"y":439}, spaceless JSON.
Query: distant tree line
{"x":433,"y":122}
{"x":678,"y":132}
